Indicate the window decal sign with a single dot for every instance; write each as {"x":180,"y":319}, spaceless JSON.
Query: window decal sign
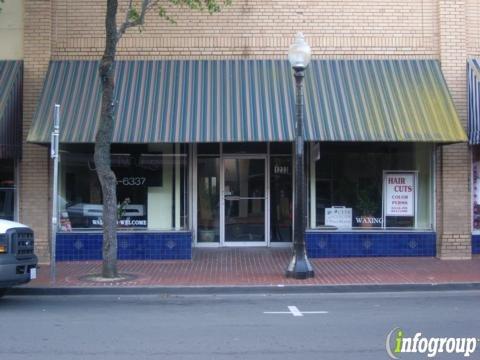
{"x":399,"y":191}
{"x":341,"y":217}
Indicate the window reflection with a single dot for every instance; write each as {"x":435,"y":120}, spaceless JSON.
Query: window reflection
{"x":208,"y":205}
{"x":151,"y":188}
{"x":349,"y":177}
{"x":7,"y":190}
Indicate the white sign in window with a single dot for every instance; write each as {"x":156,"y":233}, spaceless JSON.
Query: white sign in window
{"x":399,"y":191}
{"x":341,"y":217}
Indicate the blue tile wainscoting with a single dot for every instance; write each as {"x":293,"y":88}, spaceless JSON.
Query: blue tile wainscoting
{"x":321,"y":244}
{"x":81,"y":246}
{"x":475,"y":244}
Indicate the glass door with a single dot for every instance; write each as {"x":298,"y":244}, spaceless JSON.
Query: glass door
{"x":281,"y":199}
{"x":208,"y":199}
{"x":244,"y":201}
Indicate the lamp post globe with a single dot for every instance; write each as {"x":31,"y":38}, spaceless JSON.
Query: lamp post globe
{"x":299,"y":53}
{"x":299,"y":56}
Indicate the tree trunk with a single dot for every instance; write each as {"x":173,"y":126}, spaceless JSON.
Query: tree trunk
{"x":103,"y":141}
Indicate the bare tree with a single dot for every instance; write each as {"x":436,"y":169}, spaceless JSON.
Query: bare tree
{"x":134,"y":18}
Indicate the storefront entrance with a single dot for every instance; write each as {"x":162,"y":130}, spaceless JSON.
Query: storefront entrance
{"x":244,"y":201}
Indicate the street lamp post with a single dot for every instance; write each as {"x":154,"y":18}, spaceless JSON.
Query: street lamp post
{"x":299,"y":268}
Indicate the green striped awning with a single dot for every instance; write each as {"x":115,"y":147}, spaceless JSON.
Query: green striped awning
{"x":11,"y":75}
{"x":169,"y":101}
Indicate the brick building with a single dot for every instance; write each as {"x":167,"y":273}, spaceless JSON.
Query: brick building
{"x":198,"y":184}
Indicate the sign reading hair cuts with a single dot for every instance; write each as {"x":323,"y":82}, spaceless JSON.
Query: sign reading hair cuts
{"x":399,"y":190}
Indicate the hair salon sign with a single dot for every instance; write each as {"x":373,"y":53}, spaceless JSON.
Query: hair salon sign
{"x":399,"y":193}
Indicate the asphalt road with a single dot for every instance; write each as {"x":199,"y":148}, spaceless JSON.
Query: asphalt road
{"x":355,"y":326}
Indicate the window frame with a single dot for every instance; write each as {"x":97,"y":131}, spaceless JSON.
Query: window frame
{"x":177,"y":152}
{"x":314,"y":150}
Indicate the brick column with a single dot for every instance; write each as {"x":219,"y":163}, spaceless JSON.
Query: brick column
{"x":34,"y":171}
{"x":454,"y":232}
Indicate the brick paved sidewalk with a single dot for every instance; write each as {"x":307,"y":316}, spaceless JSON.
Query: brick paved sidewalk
{"x":262,"y":266}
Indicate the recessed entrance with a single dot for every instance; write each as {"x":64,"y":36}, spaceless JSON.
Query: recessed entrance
{"x":244,"y":201}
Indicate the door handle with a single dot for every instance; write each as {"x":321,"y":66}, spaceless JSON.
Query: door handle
{"x":232,"y":197}
{"x":245,"y":198}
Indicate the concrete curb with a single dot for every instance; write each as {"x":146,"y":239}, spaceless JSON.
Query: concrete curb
{"x":226,"y":290}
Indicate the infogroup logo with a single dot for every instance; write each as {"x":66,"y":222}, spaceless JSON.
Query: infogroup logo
{"x":397,"y":343}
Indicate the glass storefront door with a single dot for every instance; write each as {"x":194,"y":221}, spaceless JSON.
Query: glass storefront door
{"x":281,"y":199}
{"x":208,"y":199}
{"x":244,"y":200}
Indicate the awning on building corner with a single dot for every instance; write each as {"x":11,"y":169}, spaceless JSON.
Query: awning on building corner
{"x":189,"y":101}
{"x":11,"y":77}
{"x":473,"y":101}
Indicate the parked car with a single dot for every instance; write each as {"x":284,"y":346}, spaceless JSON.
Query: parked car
{"x":18,"y":263}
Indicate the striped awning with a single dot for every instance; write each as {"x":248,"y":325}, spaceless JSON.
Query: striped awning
{"x":474,"y":101}
{"x":170,"y":101}
{"x":11,"y":77}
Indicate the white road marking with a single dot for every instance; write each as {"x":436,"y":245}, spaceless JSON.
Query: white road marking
{"x":314,"y":312}
{"x":293,"y":310}
{"x":277,"y":312}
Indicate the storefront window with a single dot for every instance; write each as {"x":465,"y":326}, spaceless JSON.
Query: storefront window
{"x":208,"y":149}
{"x":244,"y":148}
{"x":372,"y":185}
{"x":476,"y":188}
{"x":151,"y":188}
{"x":7,"y":190}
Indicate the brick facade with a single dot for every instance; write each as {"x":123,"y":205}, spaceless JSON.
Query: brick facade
{"x":34,"y":172}
{"x":446,"y":30}
{"x":473,"y":24}
{"x":254,"y":28}
{"x":455,"y":237}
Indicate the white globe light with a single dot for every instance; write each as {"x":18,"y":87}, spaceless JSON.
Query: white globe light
{"x":299,"y":53}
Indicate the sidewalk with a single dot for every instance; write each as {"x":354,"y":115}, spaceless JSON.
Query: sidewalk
{"x":262,"y":267}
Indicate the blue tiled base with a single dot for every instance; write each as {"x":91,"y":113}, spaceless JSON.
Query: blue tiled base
{"x":475,"y":244}
{"x":131,"y":246}
{"x":338,"y":244}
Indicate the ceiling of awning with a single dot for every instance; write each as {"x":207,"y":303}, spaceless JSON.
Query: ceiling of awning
{"x":190,"y":101}
{"x":11,"y":77}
